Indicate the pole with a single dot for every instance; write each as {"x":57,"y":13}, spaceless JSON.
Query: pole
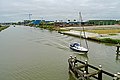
{"x":118,"y":46}
{"x":83,"y":29}
{"x":70,"y":62}
{"x":30,"y":16}
{"x":80,"y":18}
{"x":86,"y":66}
{"x":100,"y":73}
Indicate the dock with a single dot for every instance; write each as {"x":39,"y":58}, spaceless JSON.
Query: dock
{"x":81,"y":71}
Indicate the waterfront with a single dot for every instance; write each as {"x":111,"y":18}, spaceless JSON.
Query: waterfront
{"x":28,"y":53}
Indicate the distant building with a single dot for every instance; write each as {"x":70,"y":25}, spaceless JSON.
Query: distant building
{"x":49,"y":22}
{"x":101,"y":22}
{"x":33,"y":22}
{"x":36,"y":22}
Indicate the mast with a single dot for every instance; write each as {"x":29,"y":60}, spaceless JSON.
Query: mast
{"x":29,"y":16}
{"x":80,"y":18}
{"x":83,"y":29}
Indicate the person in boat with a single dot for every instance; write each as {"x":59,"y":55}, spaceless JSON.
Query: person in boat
{"x":76,"y":45}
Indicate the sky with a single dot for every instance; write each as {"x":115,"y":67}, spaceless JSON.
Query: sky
{"x":19,"y":10}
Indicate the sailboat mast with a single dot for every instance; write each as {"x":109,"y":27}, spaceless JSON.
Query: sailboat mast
{"x":80,"y":18}
{"x":82,"y":29}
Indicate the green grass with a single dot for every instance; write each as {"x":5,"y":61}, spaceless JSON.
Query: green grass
{"x":49,"y":27}
{"x":111,"y":31}
{"x":109,"y":40}
{"x":3,"y":27}
{"x":112,"y":34}
{"x":63,"y":30}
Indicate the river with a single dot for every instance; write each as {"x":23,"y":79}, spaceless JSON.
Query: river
{"x":28,"y":53}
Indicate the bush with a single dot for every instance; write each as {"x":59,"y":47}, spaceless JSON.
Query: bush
{"x":108,"y":40}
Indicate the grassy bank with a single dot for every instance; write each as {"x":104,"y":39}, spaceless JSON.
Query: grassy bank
{"x":109,"y":40}
{"x":49,"y":27}
{"x":111,"y":32}
{"x":105,"y":31}
{"x":3,"y":27}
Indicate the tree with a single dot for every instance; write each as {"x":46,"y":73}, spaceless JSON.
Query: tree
{"x":74,"y":20}
{"x":68,"y":20}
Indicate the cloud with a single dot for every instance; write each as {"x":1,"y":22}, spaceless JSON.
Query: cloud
{"x":59,"y":9}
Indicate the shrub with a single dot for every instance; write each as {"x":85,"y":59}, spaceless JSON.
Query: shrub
{"x":109,"y":40}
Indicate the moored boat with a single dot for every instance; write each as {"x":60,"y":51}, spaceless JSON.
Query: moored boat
{"x":77,"y":47}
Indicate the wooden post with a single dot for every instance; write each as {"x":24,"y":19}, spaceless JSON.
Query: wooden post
{"x":115,"y":77}
{"x":70,"y":62}
{"x":86,"y":66}
{"x":75,"y":60}
{"x":100,"y":73}
{"x":85,"y":75}
{"x":118,"y":46}
{"x":118,"y":75}
{"x":75,"y":72}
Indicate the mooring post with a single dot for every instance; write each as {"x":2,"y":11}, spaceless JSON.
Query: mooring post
{"x":118,"y":46}
{"x":85,"y":75}
{"x":118,"y":75}
{"x":100,"y":73}
{"x":75,"y":66}
{"x":75,"y":60}
{"x":70,"y":62}
{"x":86,"y":66}
{"x":115,"y":77}
{"x":75,"y":72}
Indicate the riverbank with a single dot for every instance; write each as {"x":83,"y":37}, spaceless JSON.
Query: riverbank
{"x":3,"y":27}
{"x":104,"y":34}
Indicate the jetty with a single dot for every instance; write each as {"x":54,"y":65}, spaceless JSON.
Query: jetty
{"x":81,"y":71}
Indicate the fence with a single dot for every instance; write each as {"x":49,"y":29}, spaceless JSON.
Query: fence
{"x":81,"y":70}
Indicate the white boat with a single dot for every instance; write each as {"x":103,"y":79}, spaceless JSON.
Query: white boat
{"x":76,"y":46}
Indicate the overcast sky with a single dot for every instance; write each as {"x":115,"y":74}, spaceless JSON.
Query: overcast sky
{"x":18,"y":10}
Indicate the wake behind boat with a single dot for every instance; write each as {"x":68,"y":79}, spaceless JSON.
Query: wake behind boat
{"x":77,"y":47}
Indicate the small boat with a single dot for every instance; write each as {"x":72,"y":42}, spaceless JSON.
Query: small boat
{"x":77,"y":47}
